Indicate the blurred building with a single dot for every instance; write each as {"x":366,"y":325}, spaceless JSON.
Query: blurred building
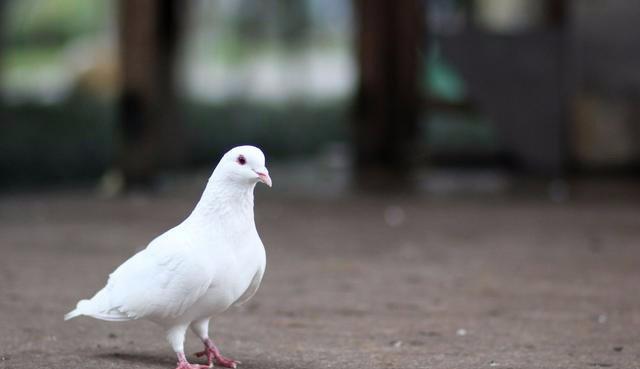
{"x":556,"y":78}
{"x":541,"y":87}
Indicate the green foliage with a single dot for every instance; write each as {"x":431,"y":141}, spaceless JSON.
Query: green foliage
{"x":30,"y":22}
{"x":449,"y":132}
{"x":282,"y":130}
{"x":441,"y":78}
{"x":58,"y":143}
{"x":77,"y":139}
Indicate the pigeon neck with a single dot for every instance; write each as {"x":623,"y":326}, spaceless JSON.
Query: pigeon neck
{"x":223,"y":200}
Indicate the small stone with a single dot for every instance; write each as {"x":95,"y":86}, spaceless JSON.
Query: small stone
{"x":601,"y":365}
{"x":4,"y":357}
{"x":461,"y":332}
{"x":602,"y":318}
{"x":618,"y":348}
{"x":112,"y":335}
{"x":430,"y":333}
{"x":493,"y":363}
{"x":396,"y":343}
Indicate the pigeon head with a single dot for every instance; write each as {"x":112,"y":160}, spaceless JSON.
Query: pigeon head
{"x":243,"y":165}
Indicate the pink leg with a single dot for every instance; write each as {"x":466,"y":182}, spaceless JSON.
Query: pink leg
{"x":212,"y":353}
{"x":184,"y":364}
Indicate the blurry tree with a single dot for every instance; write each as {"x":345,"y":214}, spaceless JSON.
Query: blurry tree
{"x":391,"y":39}
{"x":287,"y":21}
{"x":152,"y":134}
{"x":296,"y":23}
{"x":2,"y":44}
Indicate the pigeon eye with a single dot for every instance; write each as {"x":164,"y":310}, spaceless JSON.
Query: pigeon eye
{"x":242,"y":160}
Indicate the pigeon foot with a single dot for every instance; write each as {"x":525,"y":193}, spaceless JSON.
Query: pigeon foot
{"x":213,"y":355}
{"x":184,"y":364}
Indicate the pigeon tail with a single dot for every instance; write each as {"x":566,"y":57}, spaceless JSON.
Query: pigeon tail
{"x":77,"y":311}
{"x":84,"y":307}
{"x":72,"y":314}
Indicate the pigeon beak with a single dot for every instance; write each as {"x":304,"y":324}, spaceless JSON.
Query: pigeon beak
{"x":263,"y":176}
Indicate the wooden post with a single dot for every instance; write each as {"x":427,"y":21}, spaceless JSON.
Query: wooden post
{"x":391,"y":43}
{"x":152,"y":138}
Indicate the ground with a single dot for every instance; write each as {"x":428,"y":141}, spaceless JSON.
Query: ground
{"x":365,"y":281}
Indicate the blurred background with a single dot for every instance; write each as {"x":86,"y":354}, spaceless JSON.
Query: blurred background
{"x":438,"y":93}
{"x":455,"y":182}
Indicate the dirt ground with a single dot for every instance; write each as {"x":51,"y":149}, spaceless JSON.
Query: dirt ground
{"x":351,"y":282}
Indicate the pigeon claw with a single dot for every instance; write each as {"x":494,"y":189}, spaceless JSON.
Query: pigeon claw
{"x":213,"y":355}
{"x":227,"y":363}
{"x":184,"y":364}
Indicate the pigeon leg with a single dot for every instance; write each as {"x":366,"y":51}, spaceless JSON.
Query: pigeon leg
{"x":175,"y":336}
{"x":184,"y":364}
{"x":213,"y":354}
{"x":201,"y":329}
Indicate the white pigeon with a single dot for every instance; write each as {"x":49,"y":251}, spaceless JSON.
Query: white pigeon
{"x":214,"y":259}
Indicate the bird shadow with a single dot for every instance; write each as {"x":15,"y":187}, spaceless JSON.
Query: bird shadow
{"x":167,"y":362}
{"x":141,"y":358}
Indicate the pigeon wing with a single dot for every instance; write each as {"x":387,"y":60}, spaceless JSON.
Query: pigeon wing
{"x":160,"y":281}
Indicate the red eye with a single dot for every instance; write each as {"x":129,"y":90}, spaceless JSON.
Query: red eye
{"x":242,"y":160}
